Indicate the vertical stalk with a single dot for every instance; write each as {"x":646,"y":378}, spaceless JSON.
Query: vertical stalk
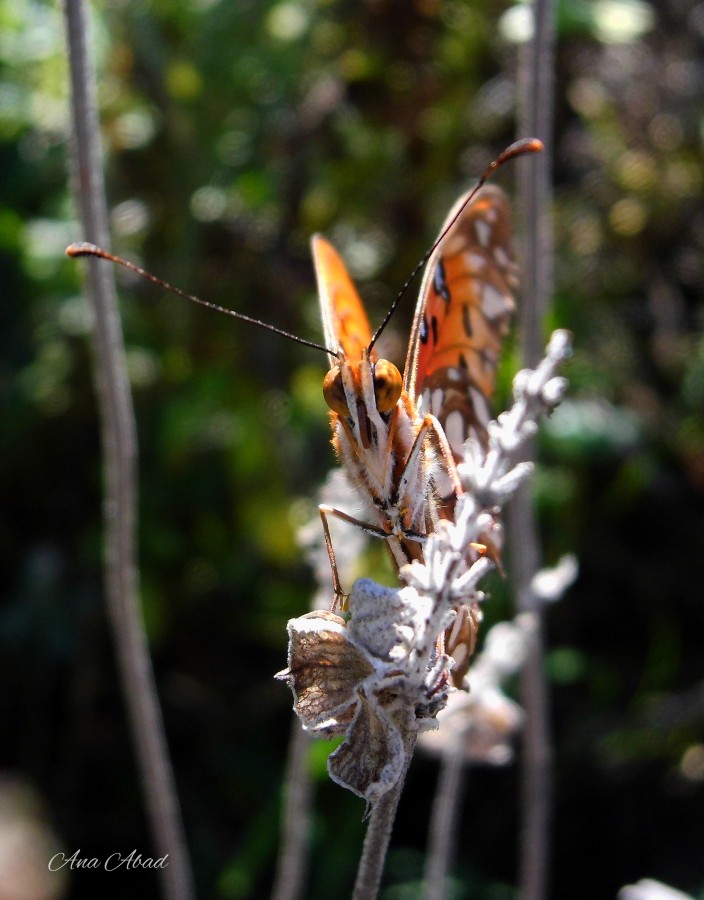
{"x":443,"y":820}
{"x":535,"y":118}
{"x":119,"y":447}
{"x":378,"y":836}
{"x":535,"y":91}
{"x":292,"y":864}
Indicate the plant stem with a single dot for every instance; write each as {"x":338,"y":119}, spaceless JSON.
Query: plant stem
{"x":378,"y":837}
{"x":535,"y":114}
{"x":119,"y":447}
{"x":443,"y":821}
{"x":292,"y":863}
{"x":535,"y":118}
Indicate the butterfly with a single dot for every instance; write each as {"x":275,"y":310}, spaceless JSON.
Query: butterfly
{"x":386,"y":428}
{"x":382,"y":423}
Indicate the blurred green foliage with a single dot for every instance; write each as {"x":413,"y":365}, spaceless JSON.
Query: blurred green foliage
{"x":232,"y":131}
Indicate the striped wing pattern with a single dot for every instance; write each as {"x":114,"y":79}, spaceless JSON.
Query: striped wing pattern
{"x":463,"y":315}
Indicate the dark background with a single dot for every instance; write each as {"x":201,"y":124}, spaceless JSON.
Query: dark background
{"x":232,"y":132}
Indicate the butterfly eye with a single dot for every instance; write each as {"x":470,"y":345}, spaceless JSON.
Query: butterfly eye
{"x":334,"y":392}
{"x":387,"y":385}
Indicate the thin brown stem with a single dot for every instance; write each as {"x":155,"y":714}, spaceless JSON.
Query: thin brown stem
{"x":443,"y":821}
{"x":119,"y":454}
{"x":535,"y":117}
{"x":292,"y":864}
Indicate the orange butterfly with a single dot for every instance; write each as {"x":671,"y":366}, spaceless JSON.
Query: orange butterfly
{"x":380,"y":421}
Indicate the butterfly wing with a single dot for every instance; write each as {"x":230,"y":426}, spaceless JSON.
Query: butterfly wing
{"x":345,"y":322}
{"x":463,"y":315}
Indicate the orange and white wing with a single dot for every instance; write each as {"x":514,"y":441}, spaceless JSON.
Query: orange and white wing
{"x":345,"y":322}
{"x":463,"y":315}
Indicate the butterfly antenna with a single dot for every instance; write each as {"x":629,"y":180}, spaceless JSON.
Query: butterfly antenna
{"x":86,"y":249}
{"x":526,"y":145}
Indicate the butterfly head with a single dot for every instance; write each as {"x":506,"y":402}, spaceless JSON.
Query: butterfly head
{"x":348,"y":382}
{"x":360,"y":390}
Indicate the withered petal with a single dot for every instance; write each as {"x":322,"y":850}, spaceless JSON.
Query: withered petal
{"x":372,"y":758}
{"x":324,"y":669}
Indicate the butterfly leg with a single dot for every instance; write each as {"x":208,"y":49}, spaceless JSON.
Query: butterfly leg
{"x":341,"y":598}
{"x":430,"y":423}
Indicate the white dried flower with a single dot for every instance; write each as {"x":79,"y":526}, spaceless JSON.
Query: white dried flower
{"x":372,"y":680}
{"x":478,"y":724}
{"x":649,"y":889}
{"x":549,"y":585}
{"x":554,"y":391}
